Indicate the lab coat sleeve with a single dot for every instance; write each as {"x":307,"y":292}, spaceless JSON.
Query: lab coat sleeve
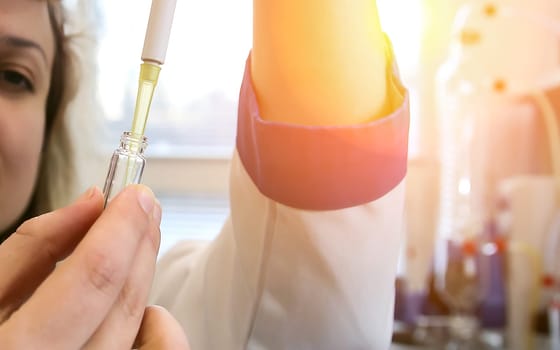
{"x":307,"y":258}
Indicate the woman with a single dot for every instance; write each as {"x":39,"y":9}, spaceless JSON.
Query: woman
{"x":108,"y":257}
{"x":308,"y":256}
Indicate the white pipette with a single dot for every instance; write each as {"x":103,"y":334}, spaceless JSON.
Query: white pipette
{"x":153,"y":56}
{"x":127,"y":163}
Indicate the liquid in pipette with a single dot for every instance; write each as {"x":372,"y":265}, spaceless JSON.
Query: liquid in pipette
{"x":149,"y":73}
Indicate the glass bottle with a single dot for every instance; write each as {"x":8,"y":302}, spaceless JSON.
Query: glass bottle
{"x":127,"y":165}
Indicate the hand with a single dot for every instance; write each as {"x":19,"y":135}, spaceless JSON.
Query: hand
{"x":79,"y":277}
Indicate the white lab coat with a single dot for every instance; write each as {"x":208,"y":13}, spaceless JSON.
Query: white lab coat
{"x":282,"y":277}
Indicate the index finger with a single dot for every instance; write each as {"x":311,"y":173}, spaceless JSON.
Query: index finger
{"x":69,"y":306}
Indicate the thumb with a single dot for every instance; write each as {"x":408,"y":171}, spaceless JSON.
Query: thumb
{"x":160,"y":331}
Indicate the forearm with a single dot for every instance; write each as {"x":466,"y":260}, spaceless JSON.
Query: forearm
{"x":318,"y":62}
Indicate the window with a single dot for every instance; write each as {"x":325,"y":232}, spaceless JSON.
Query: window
{"x":194,"y":108}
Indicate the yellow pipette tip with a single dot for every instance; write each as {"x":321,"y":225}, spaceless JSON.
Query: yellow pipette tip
{"x":149,"y":73}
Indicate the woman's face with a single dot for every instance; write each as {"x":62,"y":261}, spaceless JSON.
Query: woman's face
{"x":26,"y":56}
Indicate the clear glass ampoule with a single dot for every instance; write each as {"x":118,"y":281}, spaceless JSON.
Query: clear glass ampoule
{"x":127,"y":165}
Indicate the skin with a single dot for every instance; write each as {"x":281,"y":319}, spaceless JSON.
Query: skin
{"x":109,"y":257}
{"x":80,"y":260}
{"x":26,"y":55}
{"x":318,"y":62}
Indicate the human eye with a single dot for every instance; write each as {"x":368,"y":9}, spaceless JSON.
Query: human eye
{"x":14,"y":81}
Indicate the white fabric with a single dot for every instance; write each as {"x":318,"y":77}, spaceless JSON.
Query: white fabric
{"x":282,"y":278}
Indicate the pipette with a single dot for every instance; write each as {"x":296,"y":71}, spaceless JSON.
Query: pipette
{"x":153,"y":56}
{"x":127,"y":162}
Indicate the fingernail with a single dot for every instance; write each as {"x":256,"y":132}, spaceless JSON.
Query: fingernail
{"x":146,"y":199}
{"x":87,"y":194}
{"x":156,"y":214}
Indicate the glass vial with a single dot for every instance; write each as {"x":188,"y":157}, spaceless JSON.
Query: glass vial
{"x":127,"y":165}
